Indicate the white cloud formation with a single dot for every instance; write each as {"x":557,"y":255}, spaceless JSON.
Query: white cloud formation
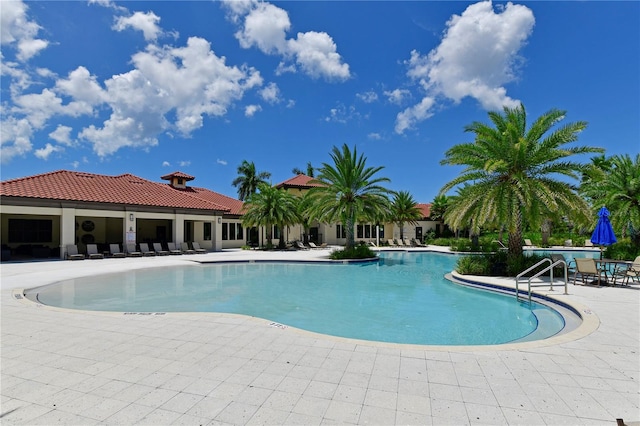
{"x":265,"y":26}
{"x":15,"y":138}
{"x":184,"y":163}
{"x":222,"y":162}
{"x":145,"y":22}
{"x":62,"y":135}
{"x":397,"y":96}
{"x":166,"y":164}
{"x":44,"y":153}
{"x":270,"y":93}
{"x":374,"y":136}
{"x":18,"y":31}
{"x":367,"y":97}
{"x":477,"y":56}
{"x":413,"y":114}
{"x":250,"y":110}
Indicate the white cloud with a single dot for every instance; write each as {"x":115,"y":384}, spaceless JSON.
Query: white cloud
{"x":15,"y":138}
{"x":265,"y":26}
{"x":374,"y":136}
{"x":367,"y":97}
{"x":270,"y":93}
{"x":407,"y":118}
{"x":477,"y":56}
{"x":145,"y":22}
{"x":44,"y":153}
{"x":397,"y":96}
{"x":62,"y":135}
{"x":166,"y":164}
{"x":223,"y":162}
{"x":75,"y":164}
{"x":17,"y":30}
{"x":342,"y":114}
{"x":184,"y":163}
{"x":250,"y":110}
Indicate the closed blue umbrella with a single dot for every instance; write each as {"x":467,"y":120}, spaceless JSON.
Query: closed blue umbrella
{"x":603,"y":234}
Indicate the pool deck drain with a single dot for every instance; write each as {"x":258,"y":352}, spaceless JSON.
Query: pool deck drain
{"x":74,"y":367}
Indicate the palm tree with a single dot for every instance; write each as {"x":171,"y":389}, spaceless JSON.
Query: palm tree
{"x":271,"y":206}
{"x":310,"y":169}
{"x":404,"y":209}
{"x":348,"y":191}
{"x":512,"y":172}
{"x":248,"y":179}
{"x":619,"y":190}
{"x":438,"y":207}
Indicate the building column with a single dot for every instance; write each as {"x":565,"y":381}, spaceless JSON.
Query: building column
{"x":178,"y":228}
{"x":216,"y":238}
{"x":67,"y":229}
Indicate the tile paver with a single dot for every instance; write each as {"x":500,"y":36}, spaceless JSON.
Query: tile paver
{"x":75,"y":367}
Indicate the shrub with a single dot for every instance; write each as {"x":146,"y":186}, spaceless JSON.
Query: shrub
{"x":622,"y":250}
{"x":497,"y":264}
{"x":473,"y":265}
{"x":357,"y":252}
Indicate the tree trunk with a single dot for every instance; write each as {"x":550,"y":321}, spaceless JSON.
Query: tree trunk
{"x":281,"y":243}
{"x":546,"y":232}
{"x":401,"y":224}
{"x":515,"y":238}
{"x":349,"y":225}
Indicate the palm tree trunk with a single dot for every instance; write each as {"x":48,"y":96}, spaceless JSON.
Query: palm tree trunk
{"x":515,"y":237}
{"x":349,"y":225}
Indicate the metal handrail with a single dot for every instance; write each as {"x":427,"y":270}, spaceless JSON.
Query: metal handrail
{"x":548,"y":268}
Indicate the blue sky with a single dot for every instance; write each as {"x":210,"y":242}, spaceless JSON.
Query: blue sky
{"x":153,"y":87}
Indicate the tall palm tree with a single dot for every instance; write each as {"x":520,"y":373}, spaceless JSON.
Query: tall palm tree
{"x":512,"y":173}
{"x":248,"y":179}
{"x":619,"y":189}
{"x":404,"y":209}
{"x":348,"y":191}
{"x":271,"y":206}
{"x":438,"y":207}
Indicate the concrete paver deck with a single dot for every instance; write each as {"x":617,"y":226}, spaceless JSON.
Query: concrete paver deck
{"x":77,"y":367}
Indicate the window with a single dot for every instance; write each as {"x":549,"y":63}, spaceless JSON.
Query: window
{"x":207,"y":231}
{"x":381,"y":231}
{"x":340,"y":232}
{"x":359,"y":231}
{"x":276,"y":232}
{"x":239,"y":235}
{"x":30,"y":231}
{"x":225,"y":232}
{"x":367,"y":231}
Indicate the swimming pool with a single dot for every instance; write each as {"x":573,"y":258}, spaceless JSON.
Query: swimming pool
{"x":402,"y":298}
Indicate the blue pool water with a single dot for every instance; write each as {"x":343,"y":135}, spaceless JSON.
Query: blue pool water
{"x":403,"y":298}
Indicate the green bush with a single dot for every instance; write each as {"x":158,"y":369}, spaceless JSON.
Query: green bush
{"x":497,"y":264}
{"x":473,"y":265}
{"x":357,"y":252}
{"x":622,"y":250}
{"x":443,"y":242}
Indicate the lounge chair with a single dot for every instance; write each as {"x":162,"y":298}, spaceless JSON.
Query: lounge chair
{"x":628,"y":273}
{"x":197,"y":248}
{"x":568,"y":243}
{"x":114,"y":249}
{"x":528,"y":243}
{"x":72,"y":252}
{"x":588,"y":243}
{"x":131,"y":250}
{"x":391,"y":243}
{"x":588,"y":269}
{"x":417,"y":243}
{"x":157,"y":247}
{"x":144,"y":249}
{"x":407,"y":243}
{"x":300,"y":246}
{"x":185,"y":249}
{"x":93,"y":253}
{"x":313,"y":245}
{"x":173,"y":249}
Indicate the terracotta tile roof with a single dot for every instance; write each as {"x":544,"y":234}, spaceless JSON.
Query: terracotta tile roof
{"x":122,"y":189}
{"x":298,"y":181}
{"x":234,"y":206}
{"x":425,"y":209}
{"x":177,"y":174}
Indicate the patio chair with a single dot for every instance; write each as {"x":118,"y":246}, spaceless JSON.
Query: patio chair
{"x":627,"y":273}
{"x":173,"y":249}
{"x":185,"y":249}
{"x":144,"y":249}
{"x":72,"y":252}
{"x":131,"y":250}
{"x":588,"y":243}
{"x":157,"y":247}
{"x":197,"y":248}
{"x":528,"y":243}
{"x":571,"y":264}
{"x":588,"y":269}
{"x":300,"y":246}
{"x":407,"y":243}
{"x":114,"y":249}
{"x":93,"y":253}
{"x":391,"y":243}
{"x":313,"y":245}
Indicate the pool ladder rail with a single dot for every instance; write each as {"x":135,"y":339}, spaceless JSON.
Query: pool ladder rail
{"x":520,"y":277}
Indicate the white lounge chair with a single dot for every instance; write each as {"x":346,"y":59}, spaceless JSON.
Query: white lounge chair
{"x":157,"y":247}
{"x":93,"y":253}
{"x":144,"y":248}
{"x":173,"y":249}
{"x":528,"y":243}
{"x":197,"y":248}
{"x":114,"y":249}
{"x":131,"y":250}
{"x":185,"y":249}
{"x":72,"y":253}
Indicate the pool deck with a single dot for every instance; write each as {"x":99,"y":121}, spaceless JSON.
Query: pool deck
{"x":76,"y":367}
